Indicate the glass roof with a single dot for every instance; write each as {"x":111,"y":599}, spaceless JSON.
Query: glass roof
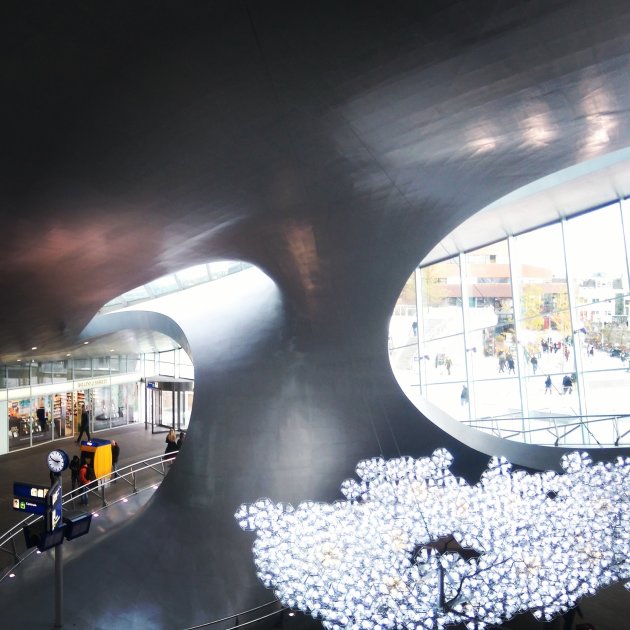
{"x":177,"y":281}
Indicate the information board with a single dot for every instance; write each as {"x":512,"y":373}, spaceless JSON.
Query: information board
{"x":55,"y":500}
{"x":29,"y":497}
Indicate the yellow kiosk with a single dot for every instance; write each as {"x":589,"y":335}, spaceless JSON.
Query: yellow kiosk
{"x":100,"y":454}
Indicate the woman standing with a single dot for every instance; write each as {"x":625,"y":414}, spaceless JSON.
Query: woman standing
{"x":171,"y":444}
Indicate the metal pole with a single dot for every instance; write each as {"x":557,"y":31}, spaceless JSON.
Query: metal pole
{"x":58,"y":586}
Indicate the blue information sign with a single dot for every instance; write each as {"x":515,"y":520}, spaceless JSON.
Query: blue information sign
{"x":55,"y":506}
{"x":29,"y":497}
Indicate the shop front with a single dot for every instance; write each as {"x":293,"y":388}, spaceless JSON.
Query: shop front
{"x":43,"y":413}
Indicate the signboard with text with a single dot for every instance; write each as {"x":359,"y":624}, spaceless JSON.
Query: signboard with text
{"x":30,"y":497}
{"x":54,"y":497}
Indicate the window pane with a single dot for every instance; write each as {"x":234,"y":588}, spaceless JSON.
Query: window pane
{"x":441,"y":298}
{"x":597,"y":262}
{"x":140,"y":293}
{"x":18,"y":375}
{"x":496,"y":398}
{"x":166,"y":284}
{"x":193,"y":275}
{"x":447,"y":396}
{"x":442,"y":360}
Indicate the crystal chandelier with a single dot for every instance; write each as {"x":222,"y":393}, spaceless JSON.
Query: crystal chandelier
{"x":413,"y":546}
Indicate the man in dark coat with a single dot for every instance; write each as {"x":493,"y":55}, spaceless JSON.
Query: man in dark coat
{"x":84,"y":426}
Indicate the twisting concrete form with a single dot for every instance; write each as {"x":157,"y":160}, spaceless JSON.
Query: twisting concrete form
{"x":330,"y":144}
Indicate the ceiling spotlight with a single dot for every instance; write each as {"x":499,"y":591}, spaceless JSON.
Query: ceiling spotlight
{"x":34,"y":348}
{"x":85,"y":343}
{"x":68,"y":354}
{"x":19,"y":360}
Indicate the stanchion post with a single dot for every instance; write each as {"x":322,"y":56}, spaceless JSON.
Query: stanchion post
{"x":59,"y":586}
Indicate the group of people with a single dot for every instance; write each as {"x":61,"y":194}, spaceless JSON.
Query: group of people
{"x":82,"y":475}
{"x":506,"y":359}
{"x":567,"y":385}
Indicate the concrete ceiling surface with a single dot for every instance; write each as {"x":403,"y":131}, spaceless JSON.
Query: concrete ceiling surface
{"x":331,"y":144}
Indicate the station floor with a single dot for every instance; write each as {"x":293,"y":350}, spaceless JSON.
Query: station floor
{"x":29,"y":465}
{"x":608,"y":610}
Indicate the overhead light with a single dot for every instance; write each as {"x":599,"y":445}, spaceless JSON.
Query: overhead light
{"x":68,"y":354}
{"x":85,"y":343}
{"x":19,"y":360}
{"x":111,"y":350}
{"x":34,"y":348}
{"x":413,"y":543}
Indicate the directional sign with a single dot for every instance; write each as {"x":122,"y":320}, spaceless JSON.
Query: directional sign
{"x":29,"y":497}
{"x":54,"y":498}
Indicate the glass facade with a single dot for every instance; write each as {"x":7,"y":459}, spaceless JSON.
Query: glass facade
{"x":42,"y":402}
{"x":526,"y":338}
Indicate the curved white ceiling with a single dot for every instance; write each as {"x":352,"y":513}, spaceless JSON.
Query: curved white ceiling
{"x":572,"y":190}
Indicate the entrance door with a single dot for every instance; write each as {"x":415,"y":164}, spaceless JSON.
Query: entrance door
{"x":165,"y":410}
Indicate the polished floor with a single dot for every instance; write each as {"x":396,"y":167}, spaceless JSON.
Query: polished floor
{"x":606,"y":611}
{"x":29,"y":464}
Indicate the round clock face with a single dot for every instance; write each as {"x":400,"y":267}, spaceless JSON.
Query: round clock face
{"x":57,"y":461}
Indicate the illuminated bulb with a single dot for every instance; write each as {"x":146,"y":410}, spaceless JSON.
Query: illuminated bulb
{"x":382,"y":558}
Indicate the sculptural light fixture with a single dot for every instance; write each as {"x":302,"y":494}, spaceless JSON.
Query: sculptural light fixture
{"x":381,"y":559}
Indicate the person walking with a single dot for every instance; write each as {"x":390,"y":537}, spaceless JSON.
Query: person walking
{"x":548,"y":385}
{"x":448,"y":363}
{"x":180,"y":439}
{"x":510,"y":364}
{"x":464,"y":395}
{"x":84,"y":425}
{"x":567,"y":385}
{"x":534,"y":362}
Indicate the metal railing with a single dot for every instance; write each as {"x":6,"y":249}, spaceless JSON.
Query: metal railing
{"x":12,"y":544}
{"x":558,"y":428}
{"x":241,"y":620}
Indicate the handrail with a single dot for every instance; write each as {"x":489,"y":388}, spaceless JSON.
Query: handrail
{"x":568,"y":427}
{"x":245,"y":612}
{"x":123,"y":474}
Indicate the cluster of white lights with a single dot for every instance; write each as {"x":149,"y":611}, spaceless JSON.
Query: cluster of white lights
{"x":413,"y":546}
